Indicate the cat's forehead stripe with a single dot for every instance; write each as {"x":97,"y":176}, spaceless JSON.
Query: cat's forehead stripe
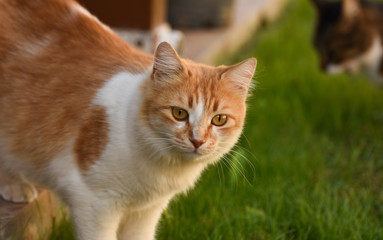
{"x":190,"y":101}
{"x":196,"y":94}
{"x":204,"y":91}
{"x":215,"y":106}
{"x":211,"y":100}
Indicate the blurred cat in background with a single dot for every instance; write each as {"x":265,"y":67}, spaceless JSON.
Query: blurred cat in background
{"x":348,"y":37}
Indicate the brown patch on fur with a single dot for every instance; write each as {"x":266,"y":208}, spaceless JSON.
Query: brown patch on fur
{"x":215,"y":106}
{"x":52,"y":62}
{"x":92,"y":137}
{"x":190,"y":101}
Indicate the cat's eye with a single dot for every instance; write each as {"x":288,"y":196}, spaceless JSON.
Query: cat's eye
{"x":219,"y":120}
{"x":180,"y":114}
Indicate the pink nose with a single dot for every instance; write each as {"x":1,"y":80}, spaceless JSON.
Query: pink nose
{"x":197,"y":142}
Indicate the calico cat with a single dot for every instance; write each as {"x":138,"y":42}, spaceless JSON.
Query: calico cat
{"x":115,"y":133}
{"x":349,"y":36}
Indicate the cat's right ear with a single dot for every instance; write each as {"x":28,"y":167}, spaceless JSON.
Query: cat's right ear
{"x":350,"y":9}
{"x":239,"y":76}
{"x":167,"y":66}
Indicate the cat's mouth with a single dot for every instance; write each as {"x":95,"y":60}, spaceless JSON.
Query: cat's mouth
{"x":193,"y":154}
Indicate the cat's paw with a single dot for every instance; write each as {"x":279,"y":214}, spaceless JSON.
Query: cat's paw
{"x":18,"y":192}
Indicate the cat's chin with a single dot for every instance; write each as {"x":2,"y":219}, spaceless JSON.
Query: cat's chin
{"x":200,"y":157}
{"x":193,"y":155}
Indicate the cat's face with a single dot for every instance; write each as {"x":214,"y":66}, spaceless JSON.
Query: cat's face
{"x":193,"y":110}
{"x":343,"y":38}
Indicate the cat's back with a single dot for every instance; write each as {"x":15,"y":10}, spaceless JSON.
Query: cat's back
{"x":55,"y":31}
{"x":54,"y":57}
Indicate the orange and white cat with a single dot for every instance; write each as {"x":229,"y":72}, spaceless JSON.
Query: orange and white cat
{"x":115,"y":133}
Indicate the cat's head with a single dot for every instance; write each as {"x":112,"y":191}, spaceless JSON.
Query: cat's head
{"x":194,"y":111}
{"x":343,"y":38}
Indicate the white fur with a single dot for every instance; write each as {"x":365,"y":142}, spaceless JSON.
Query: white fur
{"x":34,"y":47}
{"x":334,"y":68}
{"x":81,"y":10}
{"x":195,"y":117}
{"x":128,"y":176}
{"x":370,"y":61}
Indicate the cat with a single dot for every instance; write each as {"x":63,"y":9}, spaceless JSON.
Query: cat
{"x":349,"y":35}
{"x":114,"y":132}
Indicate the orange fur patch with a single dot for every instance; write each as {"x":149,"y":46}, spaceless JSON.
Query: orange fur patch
{"x":52,"y":62}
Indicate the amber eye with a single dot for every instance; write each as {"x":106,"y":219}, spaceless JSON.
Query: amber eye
{"x":180,"y":114}
{"x":219,"y":120}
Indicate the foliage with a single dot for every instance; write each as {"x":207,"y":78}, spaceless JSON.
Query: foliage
{"x":310,"y":163}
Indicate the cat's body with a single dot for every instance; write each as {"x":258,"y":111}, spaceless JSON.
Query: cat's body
{"x":349,"y":36}
{"x":103,"y":125}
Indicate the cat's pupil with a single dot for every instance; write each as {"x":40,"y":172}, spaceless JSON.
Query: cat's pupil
{"x":179,"y":112}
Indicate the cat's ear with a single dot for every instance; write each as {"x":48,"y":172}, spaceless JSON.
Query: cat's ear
{"x":350,"y":8}
{"x":240,"y":75}
{"x":167,"y":66}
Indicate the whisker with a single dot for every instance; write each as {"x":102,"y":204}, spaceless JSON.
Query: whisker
{"x":164,"y":133}
{"x":228,"y":164}
{"x":158,"y":151}
{"x":239,"y":168}
{"x":252,"y":167}
{"x":247,"y":140}
{"x":245,"y":149}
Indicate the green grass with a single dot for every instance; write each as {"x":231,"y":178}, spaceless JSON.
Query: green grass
{"x":315,"y":142}
{"x":310,"y":164}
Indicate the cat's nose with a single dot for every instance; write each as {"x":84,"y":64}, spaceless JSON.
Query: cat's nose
{"x":197,"y":142}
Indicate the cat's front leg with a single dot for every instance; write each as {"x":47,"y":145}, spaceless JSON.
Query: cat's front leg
{"x":14,"y":188}
{"x":95,"y":220}
{"x":141,"y":224}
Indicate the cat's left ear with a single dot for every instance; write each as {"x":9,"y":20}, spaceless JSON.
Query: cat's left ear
{"x":240,"y":75}
{"x":167,"y":66}
{"x":350,"y":8}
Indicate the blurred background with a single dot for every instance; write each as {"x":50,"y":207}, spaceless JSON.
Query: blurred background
{"x":198,"y":29}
